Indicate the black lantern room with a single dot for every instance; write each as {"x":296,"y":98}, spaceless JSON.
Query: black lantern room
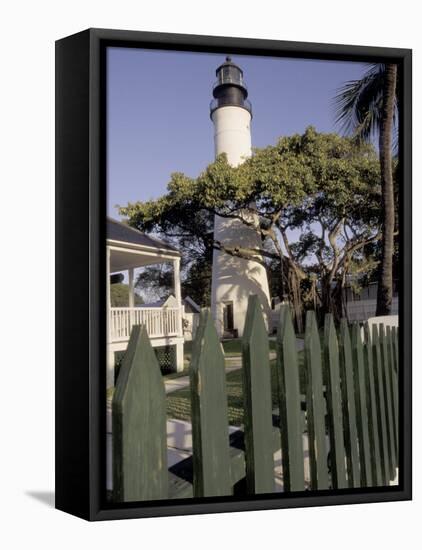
{"x":230,"y":88}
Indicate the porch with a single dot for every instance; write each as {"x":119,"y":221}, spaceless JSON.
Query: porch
{"x":127,"y":250}
{"x":160,"y":322}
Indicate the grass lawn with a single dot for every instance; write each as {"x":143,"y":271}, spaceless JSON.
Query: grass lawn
{"x":230,"y":347}
{"x":178,"y":402}
{"x":234,"y":347}
{"x":174,"y":375}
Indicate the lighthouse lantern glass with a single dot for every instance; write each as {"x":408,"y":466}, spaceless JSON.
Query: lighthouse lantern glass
{"x":230,"y":75}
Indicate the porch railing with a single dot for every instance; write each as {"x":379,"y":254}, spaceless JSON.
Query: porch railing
{"x":159,"y":322}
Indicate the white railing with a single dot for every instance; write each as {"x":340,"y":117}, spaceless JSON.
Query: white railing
{"x":159,"y":322}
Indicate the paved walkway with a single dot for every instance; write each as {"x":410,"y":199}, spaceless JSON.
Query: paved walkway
{"x":232,"y":363}
{"x":179,"y":447}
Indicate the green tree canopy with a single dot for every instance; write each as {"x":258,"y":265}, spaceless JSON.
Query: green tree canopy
{"x":119,"y":295}
{"x":314,"y":199}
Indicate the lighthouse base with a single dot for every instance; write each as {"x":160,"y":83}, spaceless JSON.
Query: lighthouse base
{"x":234,"y":281}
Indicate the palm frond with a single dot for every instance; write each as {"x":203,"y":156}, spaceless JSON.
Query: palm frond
{"x":358,"y":103}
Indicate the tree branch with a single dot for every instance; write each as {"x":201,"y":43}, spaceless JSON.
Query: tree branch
{"x":255,"y":254}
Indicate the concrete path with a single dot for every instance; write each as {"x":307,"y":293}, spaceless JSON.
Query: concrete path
{"x":179,"y":447}
{"x":179,"y":440}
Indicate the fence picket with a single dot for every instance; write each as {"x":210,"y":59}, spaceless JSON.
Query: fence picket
{"x":394,"y":389}
{"x":289,"y":403}
{"x":395,"y":353}
{"x":396,"y":347}
{"x":315,"y":406}
{"x":388,"y":398}
{"x":362,"y":412}
{"x":348,"y":381}
{"x":374,"y":428}
{"x":381,"y":409}
{"x":139,"y":425}
{"x":211,"y":462}
{"x":334,"y":405}
{"x":259,"y":459}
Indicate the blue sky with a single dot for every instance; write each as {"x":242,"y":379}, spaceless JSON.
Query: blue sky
{"x":158,"y":111}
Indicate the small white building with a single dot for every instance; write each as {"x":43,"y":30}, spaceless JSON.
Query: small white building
{"x":127,"y":250}
{"x":191,"y":313}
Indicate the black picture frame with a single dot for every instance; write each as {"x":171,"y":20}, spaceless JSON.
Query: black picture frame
{"x":80,"y":269}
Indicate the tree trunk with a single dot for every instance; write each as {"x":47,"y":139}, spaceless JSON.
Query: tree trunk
{"x":385,"y":279}
{"x":326,"y":291}
{"x":294,"y":293}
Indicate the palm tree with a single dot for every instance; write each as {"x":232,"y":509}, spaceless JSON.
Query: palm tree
{"x":366,"y":108}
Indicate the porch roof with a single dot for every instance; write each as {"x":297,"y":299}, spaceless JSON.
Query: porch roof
{"x":118,"y":231}
{"x":130,"y":248}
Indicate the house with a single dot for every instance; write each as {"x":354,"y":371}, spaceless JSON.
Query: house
{"x":362,"y":305}
{"x":127,"y":250}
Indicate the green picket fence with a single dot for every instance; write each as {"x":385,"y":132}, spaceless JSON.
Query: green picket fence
{"x":350,"y":420}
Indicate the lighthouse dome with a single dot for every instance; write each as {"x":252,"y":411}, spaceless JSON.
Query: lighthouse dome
{"x":230,"y":87}
{"x":230,"y":73}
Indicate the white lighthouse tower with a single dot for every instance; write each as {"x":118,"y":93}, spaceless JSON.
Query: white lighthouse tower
{"x":234,"y":279}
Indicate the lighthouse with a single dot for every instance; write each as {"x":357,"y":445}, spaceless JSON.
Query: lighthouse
{"x":234,"y":279}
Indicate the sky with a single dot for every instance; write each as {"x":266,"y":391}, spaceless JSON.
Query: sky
{"x":158,"y":111}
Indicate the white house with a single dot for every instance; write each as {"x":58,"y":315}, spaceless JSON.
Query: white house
{"x":128,"y":249}
{"x":361,"y":306}
{"x":191,"y":312}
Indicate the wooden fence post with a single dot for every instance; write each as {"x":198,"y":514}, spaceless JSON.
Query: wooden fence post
{"x":139,"y":425}
{"x":210,"y":437}
{"x":388,"y":398}
{"x":395,"y":362}
{"x":380,"y":401}
{"x":394,"y":388}
{"x":258,"y":418}
{"x":348,"y":382}
{"x":374,"y":428}
{"x":334,"y":405}
{"x":315,"y":406}
{"x":395,"y":332}
{"x":288,"y":394}
{"x":362,"y":416}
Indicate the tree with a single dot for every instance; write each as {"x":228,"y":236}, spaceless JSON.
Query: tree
{"x":155,"y":282}
{"x":366,"y":107}
{"x":119,"y":295}
{"x":320,"y":185}
{"x":197,"y":281}
{"x":178,"y":218}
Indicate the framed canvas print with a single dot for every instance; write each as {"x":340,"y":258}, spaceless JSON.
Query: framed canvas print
{"x":233,"y":274}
